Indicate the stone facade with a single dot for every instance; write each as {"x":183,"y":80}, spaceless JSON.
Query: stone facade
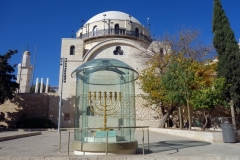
{"x":100,"y":37}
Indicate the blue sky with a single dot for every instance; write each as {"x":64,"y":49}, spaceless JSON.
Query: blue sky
{"x":42,"y":23}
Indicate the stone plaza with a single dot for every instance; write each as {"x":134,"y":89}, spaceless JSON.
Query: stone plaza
{"x":161,"y":146}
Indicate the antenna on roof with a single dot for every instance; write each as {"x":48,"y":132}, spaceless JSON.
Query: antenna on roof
{"x":19,"y":81}
{"x":82,"y":21}
{"x":34,"y":62}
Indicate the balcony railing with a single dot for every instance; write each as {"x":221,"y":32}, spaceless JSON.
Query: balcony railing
{"x":120,"y":32}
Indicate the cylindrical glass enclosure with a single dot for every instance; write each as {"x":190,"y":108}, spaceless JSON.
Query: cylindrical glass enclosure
{"x":105,"y":100}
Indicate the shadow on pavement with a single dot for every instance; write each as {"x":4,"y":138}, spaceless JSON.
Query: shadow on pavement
{"x":175,"y":146}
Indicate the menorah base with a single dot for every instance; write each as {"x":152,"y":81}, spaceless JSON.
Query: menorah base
{"x":100,"y":136}
{"x":100,"y":139}
{"x":100,"y":148}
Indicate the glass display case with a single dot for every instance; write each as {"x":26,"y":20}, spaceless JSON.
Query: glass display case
{"x":105,"y":107}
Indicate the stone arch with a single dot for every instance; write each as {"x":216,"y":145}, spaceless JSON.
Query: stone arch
{"x":117,"y":41}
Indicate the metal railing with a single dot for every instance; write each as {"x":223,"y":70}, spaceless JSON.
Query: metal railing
{"x":120,"y":32}
{"x":80,"y":129}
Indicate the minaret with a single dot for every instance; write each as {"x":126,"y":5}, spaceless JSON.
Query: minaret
{"x":24,"y":73}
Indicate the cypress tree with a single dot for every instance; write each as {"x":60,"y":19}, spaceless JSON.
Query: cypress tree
{"x":228,"y":54}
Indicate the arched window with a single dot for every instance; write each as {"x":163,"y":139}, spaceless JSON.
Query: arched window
{"x":95,"y":29}
{"x":161,"y":51}
{"x":136,"y":32}
{"x":81,"y":35}
{"x":72,"y":50}
{"x":116,"y":28}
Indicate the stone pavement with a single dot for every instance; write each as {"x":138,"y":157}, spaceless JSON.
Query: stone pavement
{"x":162,"y":146}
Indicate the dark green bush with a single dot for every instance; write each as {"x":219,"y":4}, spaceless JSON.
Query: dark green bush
{"x":35,"y":123}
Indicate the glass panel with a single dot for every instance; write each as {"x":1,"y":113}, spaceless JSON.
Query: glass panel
{"x":105,"y":98}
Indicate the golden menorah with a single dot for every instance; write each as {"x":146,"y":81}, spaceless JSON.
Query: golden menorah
{"x":104,"y":108}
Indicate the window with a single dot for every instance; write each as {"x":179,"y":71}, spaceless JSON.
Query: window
{"x":161,"y":51}
{"x":95,"y":29}
{"x":136,"y":32}
{"x":66,"y":116}
{"x":72,"y":50}
{"x":116,"y":28}
{"x":118,"y":51}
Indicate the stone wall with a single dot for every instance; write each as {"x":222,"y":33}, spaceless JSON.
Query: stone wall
{"x":208,"y":136}
{"x":29,"y":105}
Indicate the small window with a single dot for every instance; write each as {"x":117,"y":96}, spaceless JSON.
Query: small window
{"x":118,"y":51}
{"x":136,"y":32}
{"x":116,"y":28}
{"x":95,"y":29}
{"x":72,"y":50}
{"x":161,"y":51}
{"x":66,"y":116}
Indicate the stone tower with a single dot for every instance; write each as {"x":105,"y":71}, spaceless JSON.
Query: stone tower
{"x":24,"y":73}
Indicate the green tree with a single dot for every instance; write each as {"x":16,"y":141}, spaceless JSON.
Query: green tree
{"x":178,"y":81}
{"x":208,"y":97}
{"x":8,"y":86}
{"x":228,"y":56}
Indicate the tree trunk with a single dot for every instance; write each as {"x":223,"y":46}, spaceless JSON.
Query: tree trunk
{"x":233,"y":114}
{"x":206,"y":121}
{"x":189,"y":116}
{"x":180,"y":118}
{"x":206,"y":118}
{"x":165,"y":116}
{"x":163,"y":120}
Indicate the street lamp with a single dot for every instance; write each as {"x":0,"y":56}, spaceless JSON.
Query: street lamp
{"x":104,"y":15}
{"x":63,"y":63}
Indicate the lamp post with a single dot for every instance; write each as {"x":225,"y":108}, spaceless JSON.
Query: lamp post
{"x":62,"y":63}
{"x":104,"y":15}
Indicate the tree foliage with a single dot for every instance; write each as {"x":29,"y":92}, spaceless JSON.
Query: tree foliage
{"x":207,"y":97}
{"x":8,"y":86}
{"x":228,"y":56}
{"x":228,"y":52}
{"x":175,"y":67}
{"x":178,"y":79}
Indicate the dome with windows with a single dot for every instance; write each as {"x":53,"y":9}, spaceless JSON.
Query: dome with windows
{"x":111,"y":23}
{"x":113,"y":15}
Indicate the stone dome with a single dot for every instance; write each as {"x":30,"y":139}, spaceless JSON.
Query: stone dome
{"x":112,"y":15}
